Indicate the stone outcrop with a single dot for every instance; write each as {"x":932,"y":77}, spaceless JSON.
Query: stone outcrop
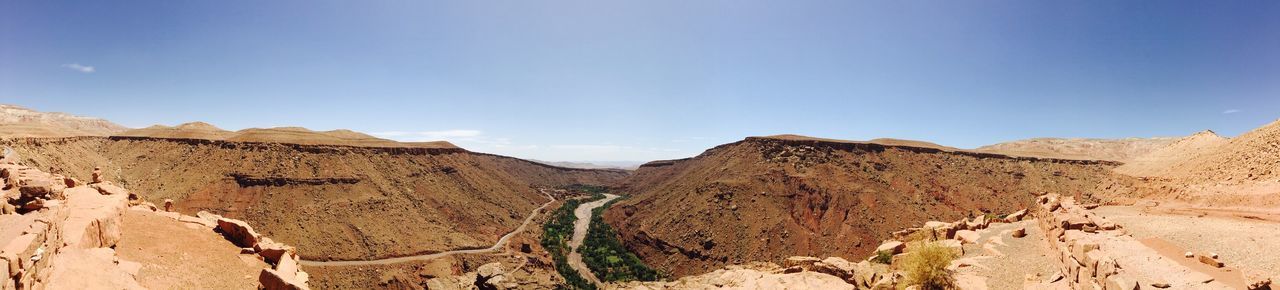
{"x":63,"y":236}
{"x":487,"y":276}
{"x":238,"y":232}
{"x":1094,"y":253}
{"x":67,"y":240}
{"x":760,"y":275}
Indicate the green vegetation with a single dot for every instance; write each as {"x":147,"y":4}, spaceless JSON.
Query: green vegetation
{"x":883,"y":257}
{"x":556,"y":234}
{"x":926,"y":265}
{"x":587,"y":188}
{"x":607,"y":258}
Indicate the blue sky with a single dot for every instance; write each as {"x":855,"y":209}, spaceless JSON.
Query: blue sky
{"x":643,"y":80}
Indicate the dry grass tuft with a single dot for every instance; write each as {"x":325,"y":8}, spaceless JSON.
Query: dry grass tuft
{"x":926,"y":265}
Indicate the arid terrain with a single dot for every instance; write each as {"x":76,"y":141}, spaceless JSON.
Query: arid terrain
{"x":766,"y":198}
{"x":356,"y":211}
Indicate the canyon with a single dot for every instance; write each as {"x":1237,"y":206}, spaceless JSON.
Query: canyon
{"x":365,"y":212}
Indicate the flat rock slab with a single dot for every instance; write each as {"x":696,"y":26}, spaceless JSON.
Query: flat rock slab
{"x":174,"y":256}
{"x":1236,"y":240}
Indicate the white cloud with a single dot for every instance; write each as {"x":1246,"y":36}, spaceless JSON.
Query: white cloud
{"x":79,"y":67}
{"x":1231,"y":111}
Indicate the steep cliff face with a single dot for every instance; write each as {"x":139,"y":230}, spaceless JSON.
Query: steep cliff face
{"x":766,"y":198}
{"x":336,"y":202}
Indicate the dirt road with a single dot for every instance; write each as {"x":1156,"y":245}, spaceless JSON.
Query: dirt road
{"x":502,"y":242}
{"x":580,"y":227}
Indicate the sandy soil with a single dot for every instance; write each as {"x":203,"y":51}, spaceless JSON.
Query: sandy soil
{"x":1236,"y":240}
{"x":177,"y":256}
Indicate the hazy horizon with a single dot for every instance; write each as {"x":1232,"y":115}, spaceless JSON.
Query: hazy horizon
{"x":637,"y":81}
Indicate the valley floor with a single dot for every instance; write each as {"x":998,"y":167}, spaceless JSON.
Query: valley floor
{"x":580,"y":226}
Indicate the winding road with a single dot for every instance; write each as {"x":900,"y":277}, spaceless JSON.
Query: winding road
{"x":502,"y":242}
{"x":580,"y":227}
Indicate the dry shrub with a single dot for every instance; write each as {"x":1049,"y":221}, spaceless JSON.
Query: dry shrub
{"x":926,"y":265}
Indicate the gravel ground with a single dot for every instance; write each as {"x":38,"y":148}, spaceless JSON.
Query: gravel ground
{"x":1017,"y":257}
{"x":1244,"y":243}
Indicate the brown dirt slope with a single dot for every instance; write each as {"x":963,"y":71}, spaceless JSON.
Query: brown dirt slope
{"x":1158,"y":162}
{"x":1207,"y":170}
{"x":332,"y":202}
{"x":1080,"y":148}
{"x":766,"y":198}
{"x":17,"y":121}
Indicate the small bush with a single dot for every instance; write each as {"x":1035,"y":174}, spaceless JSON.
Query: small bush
{"x":883,"y":257}
{"x":926,"y":265}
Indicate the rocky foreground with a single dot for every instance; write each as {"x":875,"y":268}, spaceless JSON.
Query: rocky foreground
{"x":1080,"y":249}
{"x":60,"y":233}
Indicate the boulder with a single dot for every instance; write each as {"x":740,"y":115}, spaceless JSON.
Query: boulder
{"x":893,"y":247}
{"x":18,"y":252}
{"x":1016,"y":216}
{"x":107,"y":188}
{"x":1209,"y":260}
{"x":490,"y":276}
{"x":1121,"y":282}
{"x":36,"y":188}
{"x":70,"y":182}
{"x":97,"y":175}
{"x":208,"y":216}
{"x":270,"y":279}
{"x":93,"y":220}
{"x":288,"y":266}
{"x":803,"y":262}
{"x":238,"y":232}
{"x":1019,"y":232}
{"x":33,"y":205}
{"x":168,"y":204}
{"x":967,"y":236}
{"x":1259,"y":283}
{"x":940,"y":230}
{"x":273,"y":252}
{"x":836,"y":266}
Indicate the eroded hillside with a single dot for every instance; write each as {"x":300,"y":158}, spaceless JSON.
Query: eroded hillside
{"x":763,"y":199}
{"x":1081,"y":148}
{"x":337,"y":202}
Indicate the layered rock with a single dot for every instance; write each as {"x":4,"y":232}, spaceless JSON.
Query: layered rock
{"x":64,"y":242}
{"x":67,"y":241}
{"x":766,"y":198}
